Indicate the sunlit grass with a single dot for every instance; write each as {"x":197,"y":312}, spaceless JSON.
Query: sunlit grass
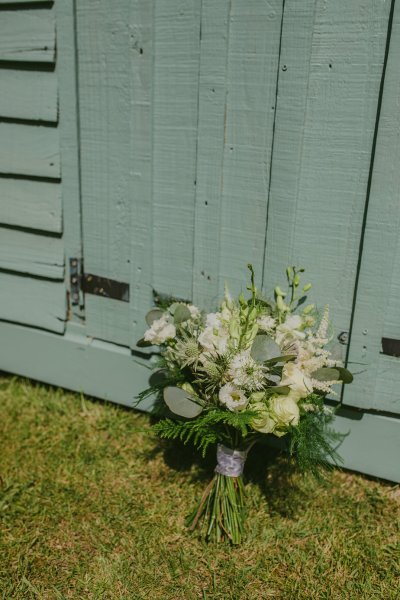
{"x":92,"y":507}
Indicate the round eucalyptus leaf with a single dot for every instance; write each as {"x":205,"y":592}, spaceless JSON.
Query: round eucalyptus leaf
{"x":345,"y":375}
{"x":181,"y":403}
{"x":281,"y":389}
{"x":153,"y":315}
{"x":280,"y":359}
{"x":264,"y":348}
{"x":326,"y":374}
{"x":181,"y":314}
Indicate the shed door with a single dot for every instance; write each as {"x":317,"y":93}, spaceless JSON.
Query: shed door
{"x":374,"y":351}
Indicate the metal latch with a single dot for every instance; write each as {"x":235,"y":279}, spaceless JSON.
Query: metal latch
{"x":103,"y":286}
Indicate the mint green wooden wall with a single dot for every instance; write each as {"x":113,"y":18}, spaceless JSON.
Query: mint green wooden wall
{"x":168,"y":144}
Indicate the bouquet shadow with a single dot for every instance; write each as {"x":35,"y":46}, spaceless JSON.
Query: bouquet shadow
{"x":267,"y":468}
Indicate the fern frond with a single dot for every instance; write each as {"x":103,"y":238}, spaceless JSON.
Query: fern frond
{"x":205,"y":429}
{"x":312,"y":443}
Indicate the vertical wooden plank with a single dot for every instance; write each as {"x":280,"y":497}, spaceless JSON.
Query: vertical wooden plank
{"x":175,"y":114}
{"x":253,"y":53}
{"x":105,"y":44}
{"x":66,"y":70}
{"x":210,"y":146}
{"x":329,"y":78}
{"x":377,"y":307}
{"x":142,"y":32}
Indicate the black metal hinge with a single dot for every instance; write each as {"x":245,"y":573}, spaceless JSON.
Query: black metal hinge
{"x":86,"y":283}
{"x":75,"y":279}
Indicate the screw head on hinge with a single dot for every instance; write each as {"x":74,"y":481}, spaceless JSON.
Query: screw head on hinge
{"x":343,"y":337}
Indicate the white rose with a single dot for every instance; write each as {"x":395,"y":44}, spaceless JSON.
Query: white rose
{"x":263,"y":422}
{"x":160,"y":331}
{"x":232,"y":397}
{"x":296,"y":379}
{"x":284,"y":411}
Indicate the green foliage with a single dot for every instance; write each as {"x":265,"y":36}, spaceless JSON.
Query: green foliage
{"x":206,"y":428}
{"x":311,"y":442}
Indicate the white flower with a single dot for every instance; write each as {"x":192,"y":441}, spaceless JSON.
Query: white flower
{"x":245,"y":372}
{"x":266,"y":323}
{"x":194,"y":311}
{"x":215,"y":337}
{"x":284,"y":411}
{"x":233,"y":398}
{"x":263,"y":422}
{"x":290,"y":330}
{"x":296,"y":379}
{"x":161,"y":330}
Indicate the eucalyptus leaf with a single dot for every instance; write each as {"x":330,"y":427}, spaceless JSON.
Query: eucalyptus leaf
{"x":281,"y":389}
{"x":264,"y":348}
{"x":326,"y":374}
{"x":345,"y":375}
{"x":181,"y":403}
{"x":153,"y":315}
{"x":143,"y":344}
{"x":280,"y":359}
{"x":181,"y":314}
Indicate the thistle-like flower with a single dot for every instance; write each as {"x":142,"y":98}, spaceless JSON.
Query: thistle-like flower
{"x":187,"y":351}
{"x":246,"y":373}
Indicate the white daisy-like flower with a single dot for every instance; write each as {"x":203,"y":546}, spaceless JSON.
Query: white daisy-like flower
{"x":245,"y":372}
{"x":266,"y":323}
{"x":161,"y":329}
{"x":233,"y":398}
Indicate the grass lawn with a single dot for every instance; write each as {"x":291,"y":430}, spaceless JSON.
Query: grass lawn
{"x":92,"y":507}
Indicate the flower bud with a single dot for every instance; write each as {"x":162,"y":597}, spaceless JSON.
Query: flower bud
{"x":309,"y":308}
{"x":279,"y":292}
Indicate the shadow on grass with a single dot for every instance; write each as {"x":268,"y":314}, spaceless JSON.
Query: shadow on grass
{"x":268,"y":468}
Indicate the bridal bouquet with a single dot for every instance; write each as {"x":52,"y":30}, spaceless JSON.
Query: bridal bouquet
{"x":257,"y":367}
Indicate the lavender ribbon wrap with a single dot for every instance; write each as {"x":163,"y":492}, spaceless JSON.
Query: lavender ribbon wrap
{"x":230,"y":462}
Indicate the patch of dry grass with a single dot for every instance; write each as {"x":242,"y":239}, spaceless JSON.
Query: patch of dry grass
{"x":92,"y":507}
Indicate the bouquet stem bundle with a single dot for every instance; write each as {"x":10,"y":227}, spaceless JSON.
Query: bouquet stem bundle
{"x":221,"y":510}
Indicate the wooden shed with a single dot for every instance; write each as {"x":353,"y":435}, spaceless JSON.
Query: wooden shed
{"x":164,"y":144}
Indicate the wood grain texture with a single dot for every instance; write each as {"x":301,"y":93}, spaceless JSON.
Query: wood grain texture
{"x":28,"y":95}
{"x":377,"y":306}
{"x":69,"y":137}
{"x":330,"y":69}
{"x":29,"y":150}
{"x":106,"y":42}
{"x":210,"y":149}
{"x":27,"y":35}
{"x":175,"y":114}
{"x":254,"y":37}
{"x":31,"y":253}
{"x":30,"y":204}
{"x":108,"y":319}
{"x":37,"y":302}
{"x":142,"y":35}
{"x":26,"y":2}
